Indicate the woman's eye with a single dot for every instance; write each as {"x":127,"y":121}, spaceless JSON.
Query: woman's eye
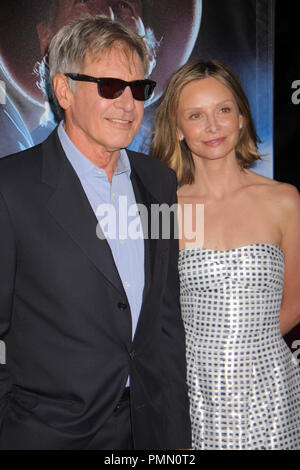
{"x":226,"y":110}
{"x":195,"y":116}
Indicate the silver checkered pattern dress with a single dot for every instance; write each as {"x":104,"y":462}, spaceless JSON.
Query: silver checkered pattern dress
{"x":244,"y":382}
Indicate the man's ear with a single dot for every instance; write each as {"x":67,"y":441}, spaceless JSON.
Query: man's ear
{"x":62,"y":91}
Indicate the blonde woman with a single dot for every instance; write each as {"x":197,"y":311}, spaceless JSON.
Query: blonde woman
{"x":240,"y":289}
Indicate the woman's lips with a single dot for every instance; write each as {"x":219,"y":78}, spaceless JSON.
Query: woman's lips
{"x":215,"y":142}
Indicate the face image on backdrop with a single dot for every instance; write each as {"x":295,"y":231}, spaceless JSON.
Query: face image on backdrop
{"x":170,"y":30}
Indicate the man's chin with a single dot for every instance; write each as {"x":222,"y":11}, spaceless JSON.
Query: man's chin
{"x":121,"y":143}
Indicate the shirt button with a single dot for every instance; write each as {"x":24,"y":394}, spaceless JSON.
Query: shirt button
{"x":127,"y":285}
{"x":122,"y":305}
{"x":122,"y":240}
{"x":99,"y":172}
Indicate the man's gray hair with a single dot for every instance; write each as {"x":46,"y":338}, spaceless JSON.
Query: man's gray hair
{"x":92,"y":35}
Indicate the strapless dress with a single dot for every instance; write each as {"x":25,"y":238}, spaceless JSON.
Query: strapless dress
{"x":243,"y":380}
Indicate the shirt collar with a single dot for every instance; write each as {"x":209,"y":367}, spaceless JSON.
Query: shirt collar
{"x":81,"y":164}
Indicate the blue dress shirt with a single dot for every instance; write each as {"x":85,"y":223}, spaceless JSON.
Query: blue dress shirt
{"x":128,"y":252}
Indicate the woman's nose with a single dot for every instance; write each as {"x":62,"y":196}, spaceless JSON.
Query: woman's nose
{"x":212,"y":122}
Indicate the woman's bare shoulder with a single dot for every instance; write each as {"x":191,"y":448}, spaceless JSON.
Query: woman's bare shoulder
{"x":288,"y":197}
{"x":260,"y":180}
{"x":284,"y":193}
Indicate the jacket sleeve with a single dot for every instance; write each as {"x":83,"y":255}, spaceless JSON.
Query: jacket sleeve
{"x":7,"y":276}
{"x":178,"y":419}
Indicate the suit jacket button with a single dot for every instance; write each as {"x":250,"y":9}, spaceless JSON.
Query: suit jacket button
{"x":122,"y":306}
{"x":132,"y":355}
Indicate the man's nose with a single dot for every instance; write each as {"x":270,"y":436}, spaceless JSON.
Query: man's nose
{"x":126,"y":100}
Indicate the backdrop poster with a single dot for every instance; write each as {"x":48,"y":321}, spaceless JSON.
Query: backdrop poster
{"x":237,"y":32}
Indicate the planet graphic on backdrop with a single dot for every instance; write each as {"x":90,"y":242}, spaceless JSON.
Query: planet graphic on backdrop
{"x":170,"y":30}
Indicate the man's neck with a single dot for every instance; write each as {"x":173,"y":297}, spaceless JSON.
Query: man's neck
{"x":100,"y":157}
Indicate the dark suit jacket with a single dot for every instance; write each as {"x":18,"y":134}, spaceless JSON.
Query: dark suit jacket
{"x":65,"y":317}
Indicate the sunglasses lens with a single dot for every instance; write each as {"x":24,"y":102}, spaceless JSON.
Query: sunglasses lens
{"x":142,"y":90}
{"x":110,"y":88}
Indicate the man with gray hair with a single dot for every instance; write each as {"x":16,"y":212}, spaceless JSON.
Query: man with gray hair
{"x":95,"y":347}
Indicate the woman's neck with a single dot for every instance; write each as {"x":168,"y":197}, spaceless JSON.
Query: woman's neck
{"x":218,"y":178}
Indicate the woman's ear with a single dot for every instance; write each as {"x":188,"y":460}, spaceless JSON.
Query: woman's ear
{"x":179,"y":134}
{"x":241,"y":121}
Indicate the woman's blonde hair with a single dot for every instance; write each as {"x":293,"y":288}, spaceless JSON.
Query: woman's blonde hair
{"x":166,"y":145}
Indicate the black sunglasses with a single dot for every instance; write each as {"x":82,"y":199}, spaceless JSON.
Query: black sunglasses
{"x":112,"y":88}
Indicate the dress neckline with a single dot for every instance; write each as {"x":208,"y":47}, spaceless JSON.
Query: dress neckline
{"x":233,"y":249}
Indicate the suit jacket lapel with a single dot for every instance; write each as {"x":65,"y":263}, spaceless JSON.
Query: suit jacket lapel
{"x":154,"y":247}
{"x":71,"y":209}
{"x":144,"y":196}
